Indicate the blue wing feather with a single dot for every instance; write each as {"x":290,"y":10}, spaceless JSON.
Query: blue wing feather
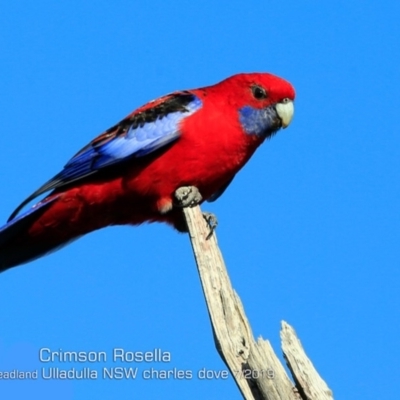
{"x":136,"y":136}
{"x":135,"y":142}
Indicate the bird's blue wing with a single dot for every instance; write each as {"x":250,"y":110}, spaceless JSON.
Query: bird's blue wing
{"x":144,"y":131}
{"x":136,"y":136}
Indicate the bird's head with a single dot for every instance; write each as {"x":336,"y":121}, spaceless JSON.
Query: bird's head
{"x":264,"y":102}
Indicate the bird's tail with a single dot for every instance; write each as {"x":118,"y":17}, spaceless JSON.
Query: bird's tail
{"x":16,"y":245}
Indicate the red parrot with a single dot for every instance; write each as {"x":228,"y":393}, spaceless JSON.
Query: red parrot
{"x":129,"y":174}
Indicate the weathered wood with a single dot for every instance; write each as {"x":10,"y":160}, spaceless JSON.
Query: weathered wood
{"x":308,"y":381}
{"x":256,"y":369}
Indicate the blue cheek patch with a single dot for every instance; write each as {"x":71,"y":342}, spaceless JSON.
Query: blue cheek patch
{"x":261,"y":122}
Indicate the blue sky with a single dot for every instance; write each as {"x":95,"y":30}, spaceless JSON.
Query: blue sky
{"x":309,"y":228}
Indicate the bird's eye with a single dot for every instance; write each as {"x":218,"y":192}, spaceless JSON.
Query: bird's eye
{"x":259,"y":92}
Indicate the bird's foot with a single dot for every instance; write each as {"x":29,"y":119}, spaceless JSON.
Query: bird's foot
{"x":188,"y":196}
{"x":212,"y":222}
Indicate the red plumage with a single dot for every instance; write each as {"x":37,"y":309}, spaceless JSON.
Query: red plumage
{"x":211,"y":148}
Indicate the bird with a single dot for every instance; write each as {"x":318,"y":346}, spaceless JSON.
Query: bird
{"x":197,"y":138}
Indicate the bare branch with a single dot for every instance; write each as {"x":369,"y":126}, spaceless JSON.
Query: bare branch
{"x":256,"y":369}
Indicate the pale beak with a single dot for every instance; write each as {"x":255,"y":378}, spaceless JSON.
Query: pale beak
{"x":285,"y":110}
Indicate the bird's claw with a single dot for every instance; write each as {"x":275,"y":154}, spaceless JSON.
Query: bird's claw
{"x":188,"y":196}
{"x":212,"y":222}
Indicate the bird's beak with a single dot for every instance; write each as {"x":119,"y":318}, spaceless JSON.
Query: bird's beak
{"x":285,"y":110}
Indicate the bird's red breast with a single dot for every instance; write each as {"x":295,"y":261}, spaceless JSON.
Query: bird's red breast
{"x":128,"y":175}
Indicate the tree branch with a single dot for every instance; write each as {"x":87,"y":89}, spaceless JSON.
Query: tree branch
{"x":254,"y":365}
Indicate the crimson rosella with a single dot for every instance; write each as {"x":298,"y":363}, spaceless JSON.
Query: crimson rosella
{"x":128,"y":174}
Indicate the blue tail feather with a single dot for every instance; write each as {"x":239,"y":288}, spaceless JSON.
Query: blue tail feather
{"x":12,"y":254}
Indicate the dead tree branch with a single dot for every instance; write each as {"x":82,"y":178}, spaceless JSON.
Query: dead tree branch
{"x":253,"y":364}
